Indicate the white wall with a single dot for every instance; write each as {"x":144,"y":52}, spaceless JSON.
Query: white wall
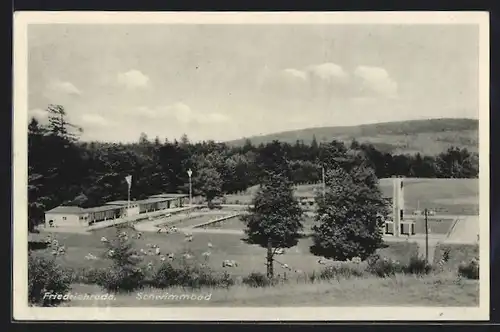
{"x":133,"y":211}
{"x":65,"y":220}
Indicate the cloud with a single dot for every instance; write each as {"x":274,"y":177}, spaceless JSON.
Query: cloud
{"x":39,"y":114}
{"x":328,"y":81}
{"x":133,"y":79}
{"x":61,"y":87}
{"x":94,"y":120}
{"x":182,"y":113}
{"x":314,"y":82}
{"x":295,"y":73}
{"x":328,"y":72}
{"x":377,"y":80}
{"x":215,"y":118}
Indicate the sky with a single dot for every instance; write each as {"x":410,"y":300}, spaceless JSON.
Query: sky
{"x":225,"y":82}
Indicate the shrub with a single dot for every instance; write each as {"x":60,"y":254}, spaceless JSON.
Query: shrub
{"x":91,"y":276}
{"x":189,"y":275}
{"x":418,"y":265}
{"x":257,"y":279}
{"x":121,"y":279}
{"x":383,"y":267}
{"x":313,"y":276}
{"x":469,"y":270}
{"x":125,"y":274}
{"x":342,"y":270}
{"x":45,"y":276}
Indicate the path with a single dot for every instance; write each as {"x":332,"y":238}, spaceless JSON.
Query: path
{"x":213,"y":231}
{"x":465,"y":231}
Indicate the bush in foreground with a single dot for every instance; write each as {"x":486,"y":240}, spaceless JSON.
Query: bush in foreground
{"x":257,"y":279}
{"x":343,"y":270}
{"x":469,"y":270}
{"x":45,"y":276}
{"x":124,"y":275}
{"x":189,"y":275}
{"x":121,"y":279}
{"x":383,"y":267}
{"x":418,"y":265}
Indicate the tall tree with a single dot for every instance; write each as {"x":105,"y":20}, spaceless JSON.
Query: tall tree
{"x":457,"y":163}
{"x":58,"y":124}
{"x":208,"y":182}
{"x":275,"y":219}
{"x":52,"y":180}
{"x":273,"y":159}
{"x":351,"y":215}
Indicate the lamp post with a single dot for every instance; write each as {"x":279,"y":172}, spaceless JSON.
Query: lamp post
{"x":190,"y":172}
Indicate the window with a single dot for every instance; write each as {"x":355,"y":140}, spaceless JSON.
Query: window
{"x":64,"y":218}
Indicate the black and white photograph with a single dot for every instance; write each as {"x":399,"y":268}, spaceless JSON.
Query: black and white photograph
{"x":251,"y":166}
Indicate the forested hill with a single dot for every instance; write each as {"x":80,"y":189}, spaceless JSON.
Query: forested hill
{"x":429,"y":137}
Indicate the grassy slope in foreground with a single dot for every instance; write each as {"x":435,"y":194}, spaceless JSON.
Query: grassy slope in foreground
{"x":425,"y":136}
{"x":401,"y":290}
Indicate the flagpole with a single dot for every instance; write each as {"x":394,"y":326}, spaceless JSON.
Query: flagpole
{"x":128,"y":198}
{"x":129,"y":183}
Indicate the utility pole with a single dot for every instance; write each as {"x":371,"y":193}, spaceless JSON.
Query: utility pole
{"x":190,"y":172}
{"x":426,"y":237}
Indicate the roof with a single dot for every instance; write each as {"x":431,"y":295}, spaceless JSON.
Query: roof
{"x":169,"y":195}
{"x":103,"y":208}
{"x":118,"y":203}
{"x":305,"y":195}
{"x":67,"y":210}
{"x":153,"y":200}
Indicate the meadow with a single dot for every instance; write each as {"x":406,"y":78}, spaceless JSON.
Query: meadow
{"x":439,"y":289}
{"x":447,"y":196}
{"x":251,"y":258}
{"x":400,"y":290}
{"x":444,"y":196}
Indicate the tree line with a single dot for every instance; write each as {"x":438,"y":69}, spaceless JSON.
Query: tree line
{"x":63,"y":170}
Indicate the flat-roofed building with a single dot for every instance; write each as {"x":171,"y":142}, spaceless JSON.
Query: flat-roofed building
{"x":66,"y":216}
{"x":172,"y":201}
{"x":128,"y":210}
{"x":103,"y":213}
{"x":152,"y":204}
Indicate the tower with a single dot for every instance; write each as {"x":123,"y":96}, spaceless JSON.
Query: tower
{"x":397,"y":204}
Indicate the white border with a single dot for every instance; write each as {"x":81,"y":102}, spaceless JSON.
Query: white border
{"x":23,"y":312}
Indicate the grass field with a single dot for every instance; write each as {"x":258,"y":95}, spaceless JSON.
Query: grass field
{"x":251,"y":258}
{"x":444,"y":196}
{"x":451,"y":197}
{"x":444,"y":289}
{"x":401,"y":290}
